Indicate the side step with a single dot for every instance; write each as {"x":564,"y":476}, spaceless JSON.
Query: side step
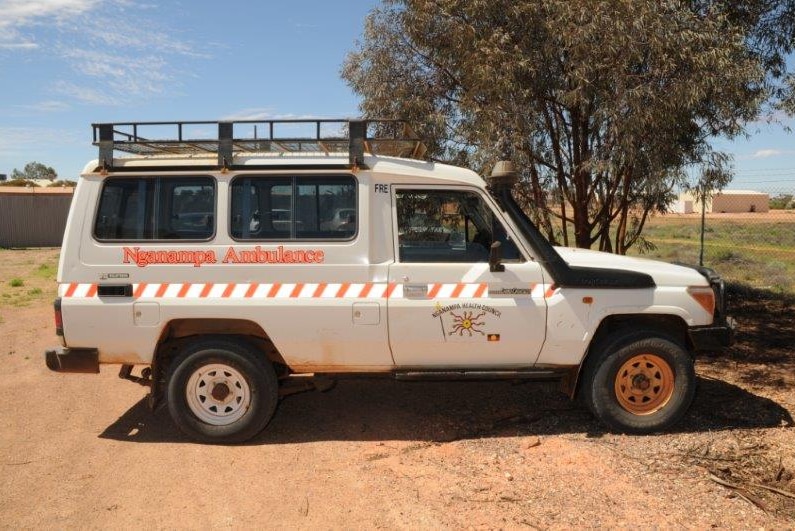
{"x":448,"y":374}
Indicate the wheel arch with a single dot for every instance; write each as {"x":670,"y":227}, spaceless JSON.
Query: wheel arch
{"x":177,"y":332}
{"x":670,"y":325}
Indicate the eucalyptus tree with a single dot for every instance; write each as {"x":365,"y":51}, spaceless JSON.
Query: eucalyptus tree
{"x":602,"y":104}
{"x":35,"y":170}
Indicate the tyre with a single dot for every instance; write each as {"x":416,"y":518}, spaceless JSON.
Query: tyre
{"x":221,"y":390}
{"x":639,"y":383}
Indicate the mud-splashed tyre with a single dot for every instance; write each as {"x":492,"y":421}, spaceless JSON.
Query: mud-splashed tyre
{"x":639,"y":383}
{"x":221,"y":390}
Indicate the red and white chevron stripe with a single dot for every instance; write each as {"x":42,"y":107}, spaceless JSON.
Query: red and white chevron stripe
{"x":298,"y":290}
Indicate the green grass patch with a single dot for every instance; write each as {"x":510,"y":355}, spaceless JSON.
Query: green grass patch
{"x":29,"y":277}
{"x":46,"y":271}
{"x":759,"y":254}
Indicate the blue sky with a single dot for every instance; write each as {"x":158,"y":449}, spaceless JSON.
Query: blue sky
{"x":67,"y":63}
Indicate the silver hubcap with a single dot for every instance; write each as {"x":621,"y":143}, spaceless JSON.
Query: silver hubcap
{"x":218,"y":394}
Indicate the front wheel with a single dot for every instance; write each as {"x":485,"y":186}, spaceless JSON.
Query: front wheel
{"x":639,"y":384}
{"x":221,"y":391}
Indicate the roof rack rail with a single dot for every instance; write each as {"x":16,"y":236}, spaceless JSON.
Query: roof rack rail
{"x":236,"y":137}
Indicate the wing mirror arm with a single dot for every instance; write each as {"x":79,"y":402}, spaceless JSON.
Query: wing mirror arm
{"x":495,"y":258}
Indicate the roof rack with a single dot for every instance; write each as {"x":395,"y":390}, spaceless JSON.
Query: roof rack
{"x":353,"y":137}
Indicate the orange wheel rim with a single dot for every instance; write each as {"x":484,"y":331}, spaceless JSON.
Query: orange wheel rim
{"x":644,"y":384}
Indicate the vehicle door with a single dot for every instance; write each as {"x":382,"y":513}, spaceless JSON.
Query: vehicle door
{"x":449,"y":309}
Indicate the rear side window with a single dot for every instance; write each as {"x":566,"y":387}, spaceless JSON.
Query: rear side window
{"x":293,"y":208}
{"x":173,"y":208}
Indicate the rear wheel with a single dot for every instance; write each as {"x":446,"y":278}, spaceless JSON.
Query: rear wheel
{"x":639,"y":383}
{"x":221,"y":391}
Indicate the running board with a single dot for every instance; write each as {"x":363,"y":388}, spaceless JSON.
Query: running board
{"x":447,"y":374}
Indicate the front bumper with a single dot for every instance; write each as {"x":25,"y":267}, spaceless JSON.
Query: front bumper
{"x":716,"y":336}
{"x":720,"y":334}
{"x":76,"y":360}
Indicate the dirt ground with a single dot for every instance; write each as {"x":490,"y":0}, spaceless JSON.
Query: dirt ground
{"x":84,"y":450}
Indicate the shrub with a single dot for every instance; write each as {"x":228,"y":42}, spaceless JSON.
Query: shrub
{"x":727,"y":255}
{"x":18,"y":182}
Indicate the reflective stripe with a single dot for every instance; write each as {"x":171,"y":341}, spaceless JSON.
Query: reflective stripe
{"x":299,"y":290}
{"x":161,"y":290}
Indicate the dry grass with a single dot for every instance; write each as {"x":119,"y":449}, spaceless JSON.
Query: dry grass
{"x":27,"y":276}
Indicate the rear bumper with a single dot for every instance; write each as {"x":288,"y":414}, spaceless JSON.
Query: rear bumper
{"x":713,"y":337}
{"x":79,"y":360}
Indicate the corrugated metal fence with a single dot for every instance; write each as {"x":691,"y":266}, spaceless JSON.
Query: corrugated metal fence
{"x":33,"y":219}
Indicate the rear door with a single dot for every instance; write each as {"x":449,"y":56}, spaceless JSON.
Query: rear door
{"x":449,"y":310}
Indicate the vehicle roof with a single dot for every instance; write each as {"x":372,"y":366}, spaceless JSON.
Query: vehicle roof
{"x":176,"y":164}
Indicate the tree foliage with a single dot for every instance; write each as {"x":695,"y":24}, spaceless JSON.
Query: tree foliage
{"x":602,"y":104}
{"x":35,"y":170}
{"x":782,"y":202}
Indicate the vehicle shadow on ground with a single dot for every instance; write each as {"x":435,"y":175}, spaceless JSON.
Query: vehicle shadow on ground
{"x":376,"y":410}
{"x":763,"y":354}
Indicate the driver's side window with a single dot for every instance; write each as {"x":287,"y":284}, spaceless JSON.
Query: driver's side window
{"x":448,"y":226}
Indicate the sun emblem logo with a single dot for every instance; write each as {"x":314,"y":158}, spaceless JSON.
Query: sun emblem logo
{"x":467,"y":323}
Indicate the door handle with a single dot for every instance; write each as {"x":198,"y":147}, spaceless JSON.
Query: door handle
{"x":415,"y":291}
{"x":115,"y":290}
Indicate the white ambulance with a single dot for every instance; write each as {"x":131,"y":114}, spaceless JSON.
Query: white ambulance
{"x":231,"y":267}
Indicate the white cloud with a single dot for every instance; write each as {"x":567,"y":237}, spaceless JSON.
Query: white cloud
{"x":85,"y":94}
{"x":766,"y":153}
{"x":118,"y":51}
{"x":266,"y":113}
{"x":121,"y":77}
{"x":15,"y":13}
{"x":769,"y":153}
{"x":18,"y":14}
{"x":25,"y":139}
{"x":18,"y":45}
{"x":261,"y":113}
{"x":130,"y":35}
{"x":46,"y":106}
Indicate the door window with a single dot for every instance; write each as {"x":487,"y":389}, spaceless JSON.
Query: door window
{"x":448,"y":226}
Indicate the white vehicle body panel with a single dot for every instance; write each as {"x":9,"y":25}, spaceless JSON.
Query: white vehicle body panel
{"x":359,"y":309}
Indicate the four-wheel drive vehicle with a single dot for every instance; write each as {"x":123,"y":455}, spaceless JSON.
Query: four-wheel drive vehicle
{"x":233,"y":268}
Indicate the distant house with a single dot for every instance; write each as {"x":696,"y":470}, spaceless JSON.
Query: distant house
{"x":740,"y":201}
{"x":726,"y":201}
{"x":684,"y":204}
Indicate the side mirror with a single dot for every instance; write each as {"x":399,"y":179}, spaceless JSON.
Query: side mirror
{"x":495,"y":258}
